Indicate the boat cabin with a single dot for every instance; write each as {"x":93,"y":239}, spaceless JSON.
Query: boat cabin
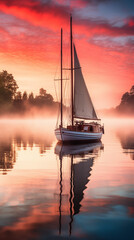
{"x":85,"y":127}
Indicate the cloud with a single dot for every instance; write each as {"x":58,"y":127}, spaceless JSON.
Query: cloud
{"x":36,"y":12}
{"x":119,"y":44}
{"x":103,"y":27}
{"x":85,"y":3}
{"x":53,"y":15}
{"x":131,"y":22}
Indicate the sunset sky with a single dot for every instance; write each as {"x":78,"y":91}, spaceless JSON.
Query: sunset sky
{"x":103,"y":32}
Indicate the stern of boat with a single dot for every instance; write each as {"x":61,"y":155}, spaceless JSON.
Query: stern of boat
{"x":58,"y":134}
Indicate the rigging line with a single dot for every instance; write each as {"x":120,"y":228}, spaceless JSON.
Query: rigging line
{"x":58,"y":117}
{"x":65,"y":88}
{"x":56,"y":91}
{"x":65,"y":112}
{"x":66,"y":93}
{"x":57,"y":66}
{"x":55,"y":74}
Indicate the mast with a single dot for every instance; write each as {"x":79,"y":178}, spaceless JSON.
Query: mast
{"x":61,"y":84}
{"x":71,"y":48}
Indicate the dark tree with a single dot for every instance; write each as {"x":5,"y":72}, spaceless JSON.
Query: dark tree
{"x":42,"y":92}
{"x":8,"y":87}
{"x":125,"y":97}
{"x":132,"y":90}
{"x":43,"y":98}
{"x":17,"y":103}
{"x":31,"y":97}
{"x":18,"y":96}
{"x":127,"y":103}
{"x":46,"y":97}
{"x":13,"y":101}
{"x":24,"y":96}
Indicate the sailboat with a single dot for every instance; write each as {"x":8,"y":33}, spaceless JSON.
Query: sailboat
{"x":82,"y":109}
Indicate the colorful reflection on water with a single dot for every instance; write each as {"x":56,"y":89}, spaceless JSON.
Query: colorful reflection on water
{"x":52,"y":191}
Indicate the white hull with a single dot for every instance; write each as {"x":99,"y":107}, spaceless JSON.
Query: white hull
{"x":63,"y":134}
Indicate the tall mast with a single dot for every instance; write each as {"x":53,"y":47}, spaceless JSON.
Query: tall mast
{"x":71,"y":48}
{"x":61,"y":84}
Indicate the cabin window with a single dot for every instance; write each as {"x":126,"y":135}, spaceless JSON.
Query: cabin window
{"x":91,"y":128}
{"x":85,"y":128}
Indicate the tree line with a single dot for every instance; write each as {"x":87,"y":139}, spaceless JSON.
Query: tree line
{"x":125,"y":108}
{"x":126,"y":105}
{"x":12,"y":100}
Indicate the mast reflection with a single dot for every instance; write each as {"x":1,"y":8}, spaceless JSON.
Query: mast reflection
{"x":79,"y":174}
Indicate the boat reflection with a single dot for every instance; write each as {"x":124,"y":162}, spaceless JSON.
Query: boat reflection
{"x":77,"y":149}
{"x":80,"y":171}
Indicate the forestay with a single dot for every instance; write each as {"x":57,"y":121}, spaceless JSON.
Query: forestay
{"x":83,"y":106}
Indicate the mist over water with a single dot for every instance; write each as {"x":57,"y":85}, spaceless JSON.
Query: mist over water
{"x":50,"y":191}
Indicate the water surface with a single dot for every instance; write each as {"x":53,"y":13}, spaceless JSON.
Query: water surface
{"x":49,"y":191}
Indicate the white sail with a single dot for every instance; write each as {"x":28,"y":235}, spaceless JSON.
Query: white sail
{"x":83,"y":106}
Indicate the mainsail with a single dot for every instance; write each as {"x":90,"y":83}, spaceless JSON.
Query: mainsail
{"x":83,"y":106}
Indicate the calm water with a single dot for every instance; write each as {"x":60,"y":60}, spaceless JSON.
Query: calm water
{"x":49,"y":191}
